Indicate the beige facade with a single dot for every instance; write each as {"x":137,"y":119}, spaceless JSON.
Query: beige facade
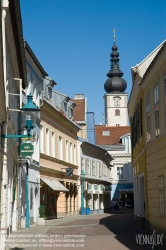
{"x":58,"y":152}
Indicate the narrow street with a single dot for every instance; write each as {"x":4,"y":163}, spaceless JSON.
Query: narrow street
{"x":116,"y":231}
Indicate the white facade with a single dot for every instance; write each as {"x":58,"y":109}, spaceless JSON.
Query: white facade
{"x":121,"y":171}
{"x":95,"y":164}
{"x":116,"y":113}
{"x":35,"y":74}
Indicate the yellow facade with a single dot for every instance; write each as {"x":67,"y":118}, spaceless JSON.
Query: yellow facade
{"x":149,"y":154}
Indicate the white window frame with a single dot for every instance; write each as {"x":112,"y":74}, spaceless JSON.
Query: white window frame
{"x":60,"y":149}
{"x":52,"y":143}
{"x":75,"y":154}
{"x":120,"y":173}
{"x":47,"y":141}
{"x":67,"y":150}
{"x":41,"y":139}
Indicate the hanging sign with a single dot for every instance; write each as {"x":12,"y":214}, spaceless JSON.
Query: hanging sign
{"x":26,"y":149}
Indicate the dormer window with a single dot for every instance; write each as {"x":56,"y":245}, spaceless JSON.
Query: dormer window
{"x":49,"y":92}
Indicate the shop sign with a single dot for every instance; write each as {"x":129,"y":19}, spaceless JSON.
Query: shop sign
{"x":26,"y":149}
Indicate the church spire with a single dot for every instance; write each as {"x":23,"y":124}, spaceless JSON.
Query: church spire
{"x":115,"y":82}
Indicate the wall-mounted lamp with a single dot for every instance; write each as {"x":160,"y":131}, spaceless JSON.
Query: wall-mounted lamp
{"x":28,"y":118}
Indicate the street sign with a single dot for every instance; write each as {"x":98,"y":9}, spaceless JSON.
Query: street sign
{"x":69,"y":171}
{"x":26,"y":149}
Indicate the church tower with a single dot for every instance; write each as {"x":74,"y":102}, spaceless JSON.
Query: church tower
{"x":116,"y":113}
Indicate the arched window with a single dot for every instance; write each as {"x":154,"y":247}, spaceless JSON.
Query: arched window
{"x":117,"y":112}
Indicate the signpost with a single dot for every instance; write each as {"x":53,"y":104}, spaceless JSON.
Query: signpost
{"x":69,"y":171}
{"x":26,"y":149}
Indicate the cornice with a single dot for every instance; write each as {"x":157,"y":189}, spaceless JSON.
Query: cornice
{"x":64,"y":163}
{"x":46,"y":169}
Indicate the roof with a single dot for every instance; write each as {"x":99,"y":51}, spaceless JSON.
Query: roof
{"x":86,"y":143}
{"x":16,"y":20}
{"x":79,"y":110}
{"x":113,"y":137}
{"x":61,"y":113}
{"x":34,"y":58}
{"x":144,"y":65}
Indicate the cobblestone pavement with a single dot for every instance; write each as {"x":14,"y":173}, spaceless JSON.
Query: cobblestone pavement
{"x":116,"y":231}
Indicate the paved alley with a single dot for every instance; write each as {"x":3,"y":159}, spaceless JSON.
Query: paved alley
{"x":116,"y":231}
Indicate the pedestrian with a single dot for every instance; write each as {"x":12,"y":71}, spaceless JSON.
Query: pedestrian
{"x":120,"y":205}
{"x":112,"y":205}
{"x":123,"y":205}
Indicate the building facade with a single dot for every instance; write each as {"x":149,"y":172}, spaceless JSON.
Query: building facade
{"x":58,"y":155}
{"x":13,"y":79}
{"x":147,"y":114}
{"x":35,"y":76}
{"x":95,"y":166}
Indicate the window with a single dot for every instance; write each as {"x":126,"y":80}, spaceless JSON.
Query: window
{"x":49,"y":93}
{"x":65,"y":107}
{"x":71,"y":153}
{"x":117,"y":112}
{"x":47,"y":141}
{"x":147,"y":108}
{"x":117,"y":125}
{"x":156,"y":110}
{"x":75,"y":158}
{"x":93,"y":168}
{"x":37,"y":155}
{"x":106,"y":133}
{"x":67,"y":151}
{"x":100,"y":170}
{"x":82,"y":164}
{"x":60,"y":148}
{"x":161,"y":195}
{"x":136,"y":124}
{"x":87,"y":166}
{"x":119,"y":173}
{"x":52,"y":143}
{"x":41,"y":139}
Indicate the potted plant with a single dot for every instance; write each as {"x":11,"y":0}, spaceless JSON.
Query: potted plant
{"x":42,"y":218}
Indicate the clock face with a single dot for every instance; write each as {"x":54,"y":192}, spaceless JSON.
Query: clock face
{"x":117,"y":103}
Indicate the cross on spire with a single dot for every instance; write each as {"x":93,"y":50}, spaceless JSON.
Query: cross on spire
{"x":114,"y":31}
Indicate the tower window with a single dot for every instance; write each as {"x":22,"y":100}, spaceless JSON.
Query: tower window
{"x":117,"y":112}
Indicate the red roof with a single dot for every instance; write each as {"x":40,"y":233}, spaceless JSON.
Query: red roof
{"x":113,"y":136}
{"x":79,"y":110}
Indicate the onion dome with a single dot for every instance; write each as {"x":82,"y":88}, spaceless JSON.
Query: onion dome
{"x":115,"y":82}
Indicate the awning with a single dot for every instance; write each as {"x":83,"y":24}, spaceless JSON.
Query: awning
{"x":126,"y":190}
{"x":54,"y":184}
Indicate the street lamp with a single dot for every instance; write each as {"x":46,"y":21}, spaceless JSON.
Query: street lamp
{"x":82,"y":192}
{"x":28,"y":118}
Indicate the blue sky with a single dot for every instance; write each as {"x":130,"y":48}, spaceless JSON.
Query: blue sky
{"x":72,"y":39}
